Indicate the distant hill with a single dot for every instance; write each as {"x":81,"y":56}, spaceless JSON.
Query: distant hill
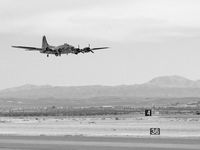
{"x":158,"y":88}
{"x":174,"y":81}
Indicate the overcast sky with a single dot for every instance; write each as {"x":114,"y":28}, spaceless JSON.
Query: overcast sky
{"x":148,"y":38}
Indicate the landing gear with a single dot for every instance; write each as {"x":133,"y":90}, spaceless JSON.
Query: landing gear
{"x":47,"y":55}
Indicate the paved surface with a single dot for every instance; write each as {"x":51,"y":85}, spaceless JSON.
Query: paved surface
{"x":96,"y":143}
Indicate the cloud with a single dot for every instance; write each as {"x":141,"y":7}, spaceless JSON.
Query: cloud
{"x":112,"y":21}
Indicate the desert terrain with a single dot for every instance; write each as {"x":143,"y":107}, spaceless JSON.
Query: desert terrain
{"x":108,"y":125}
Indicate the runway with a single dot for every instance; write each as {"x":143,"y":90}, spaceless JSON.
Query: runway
{"x":95,"y":143}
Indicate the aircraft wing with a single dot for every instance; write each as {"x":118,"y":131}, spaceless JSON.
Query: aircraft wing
{"x":28,"y":48}
{"x":97,"y":48}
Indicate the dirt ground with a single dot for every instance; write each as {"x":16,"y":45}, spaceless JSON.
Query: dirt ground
{"x":133,"y":126}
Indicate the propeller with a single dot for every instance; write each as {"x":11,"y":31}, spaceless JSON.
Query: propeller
{"x":87,"y":49}
{"x":77,"y":50}
{"x":91,"y":50}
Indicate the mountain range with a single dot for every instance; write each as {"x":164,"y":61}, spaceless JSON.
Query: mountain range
{"x":163,"y":87}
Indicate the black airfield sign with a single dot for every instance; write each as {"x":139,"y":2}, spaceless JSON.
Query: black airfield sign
{"x":148,"y":112}
{"x":154,"y":131}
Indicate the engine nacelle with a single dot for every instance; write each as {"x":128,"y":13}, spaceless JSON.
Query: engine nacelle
{"x":86,"y":49}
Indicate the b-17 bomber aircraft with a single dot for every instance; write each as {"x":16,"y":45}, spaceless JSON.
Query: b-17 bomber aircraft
{"x":59,"y":50}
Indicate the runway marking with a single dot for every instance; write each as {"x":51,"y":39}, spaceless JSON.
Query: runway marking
{"x":101,"y":144}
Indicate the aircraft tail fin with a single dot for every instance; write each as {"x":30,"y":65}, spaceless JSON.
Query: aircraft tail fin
{"x":44,"y":43}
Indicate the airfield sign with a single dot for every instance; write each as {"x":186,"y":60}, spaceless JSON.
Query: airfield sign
{"x":154,"y":131}
{"x":148,"y":112}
